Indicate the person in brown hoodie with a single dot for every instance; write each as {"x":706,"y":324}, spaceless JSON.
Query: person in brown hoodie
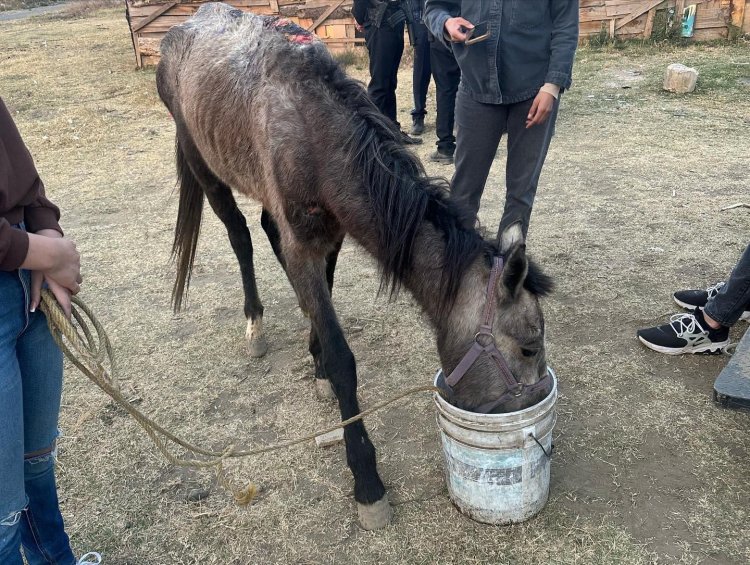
{"x":33,"y":252}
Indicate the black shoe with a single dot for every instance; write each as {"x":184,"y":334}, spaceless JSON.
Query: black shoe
{"x":685,"y":333}
{"x":440,"y":157}
{"x":408,"y":140}
{"x":692,"y":299}
{"x":417,"y":127}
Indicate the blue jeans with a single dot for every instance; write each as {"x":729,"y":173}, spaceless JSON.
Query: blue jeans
{"x":30,"y":388}
{"x":734,"y":297}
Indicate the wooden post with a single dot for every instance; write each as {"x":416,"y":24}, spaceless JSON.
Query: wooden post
{"x":649,"y":29}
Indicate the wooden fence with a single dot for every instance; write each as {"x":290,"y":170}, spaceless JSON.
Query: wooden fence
{"x":631,"y":19}
{"x":332,"y":21}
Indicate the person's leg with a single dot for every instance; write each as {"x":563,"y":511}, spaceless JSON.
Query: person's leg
{"x":385,"y":45}
{"x":527,"y":150}
{"x":421,"y":77}
{"x":447,"y":75}
{"x":478,"y":131}
{"x":12,"y":495}
{"x":40,"y":362}
{"x":732,"y":299}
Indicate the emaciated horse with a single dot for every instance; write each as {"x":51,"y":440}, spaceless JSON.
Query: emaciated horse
{"x":261,"y":106}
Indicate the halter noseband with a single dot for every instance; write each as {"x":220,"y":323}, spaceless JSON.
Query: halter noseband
{"x":484,"y":342}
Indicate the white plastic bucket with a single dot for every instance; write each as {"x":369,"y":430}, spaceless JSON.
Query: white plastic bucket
{"x":496,"y":471}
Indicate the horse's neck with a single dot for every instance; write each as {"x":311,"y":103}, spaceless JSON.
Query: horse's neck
{"x":424,"y":280}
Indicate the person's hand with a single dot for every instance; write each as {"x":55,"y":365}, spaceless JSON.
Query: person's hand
{"x":540,"y":110}
{"x":455,"y":28}
{"x":61,"y":293}
{"x":62,"y":273}
{"x":358,"y":26}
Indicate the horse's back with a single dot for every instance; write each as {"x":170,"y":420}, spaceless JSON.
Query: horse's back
{"x":232,"y":80}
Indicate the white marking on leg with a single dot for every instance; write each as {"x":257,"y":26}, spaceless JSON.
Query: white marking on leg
{"x":254,"y":329}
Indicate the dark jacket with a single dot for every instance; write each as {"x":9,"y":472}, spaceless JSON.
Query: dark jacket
{"x":361,"y":10}
{"x":531,"y":42}
{"x":21,"y":196}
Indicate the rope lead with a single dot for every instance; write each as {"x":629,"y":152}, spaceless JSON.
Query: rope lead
{"x":91,"y":352}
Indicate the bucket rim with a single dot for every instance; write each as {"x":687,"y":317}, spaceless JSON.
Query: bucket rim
{"x":445,"y":406}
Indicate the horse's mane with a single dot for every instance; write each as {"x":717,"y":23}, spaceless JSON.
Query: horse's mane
{"x":402,"y":196}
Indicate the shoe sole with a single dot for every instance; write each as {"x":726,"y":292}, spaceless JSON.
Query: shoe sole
{"x":708,"y":349}
{"x":745,"y":317}
{"x":685,"y":305}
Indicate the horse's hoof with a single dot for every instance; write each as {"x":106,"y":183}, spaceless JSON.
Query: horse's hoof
{"x":324,"y":390}
{"x":257,"y":347}
{"x":375,"y":516}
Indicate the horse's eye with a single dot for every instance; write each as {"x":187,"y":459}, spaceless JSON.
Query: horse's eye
{"x":529,"y":352}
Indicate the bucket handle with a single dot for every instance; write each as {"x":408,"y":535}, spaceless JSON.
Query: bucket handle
{"x":551,"y":449}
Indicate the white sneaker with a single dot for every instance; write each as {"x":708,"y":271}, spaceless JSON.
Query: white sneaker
{"x":87,"y":559}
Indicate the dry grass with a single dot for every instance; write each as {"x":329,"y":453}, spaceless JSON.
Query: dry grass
{"x":647,"y":469}
{"x":6,"y":5}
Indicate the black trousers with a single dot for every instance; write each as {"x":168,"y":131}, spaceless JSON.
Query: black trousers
{"x":385,"y":46}
{"x":422,"y":69}
{"x":480,"y":128}
{"x":447,"y":75}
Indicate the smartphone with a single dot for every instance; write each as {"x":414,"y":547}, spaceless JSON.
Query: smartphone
{"x":479,"y":32}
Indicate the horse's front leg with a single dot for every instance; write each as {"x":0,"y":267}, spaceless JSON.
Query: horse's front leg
{"x":337,"y":363}
{"x":323,"y":386}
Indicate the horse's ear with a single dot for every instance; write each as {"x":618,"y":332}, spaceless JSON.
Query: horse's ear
{"x":513,"y":248}
{"x":510,"y":237}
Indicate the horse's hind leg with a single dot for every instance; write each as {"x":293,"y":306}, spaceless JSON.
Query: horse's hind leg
{"x":225,"y":207}
{"x":337,"y":362}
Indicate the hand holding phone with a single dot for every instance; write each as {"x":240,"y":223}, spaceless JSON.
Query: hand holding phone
{"x":456,"y":28}
{"x":478,"y":33}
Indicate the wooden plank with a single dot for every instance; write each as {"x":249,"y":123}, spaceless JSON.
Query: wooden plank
{"x":738,"y":13}
{"x":649,"y":29}
{"x":158,"y":12}
{"x":642,"y":9}
{"x":325,"y":14}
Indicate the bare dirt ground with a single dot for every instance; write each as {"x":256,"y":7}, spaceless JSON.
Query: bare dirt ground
{"x":647,"y":468}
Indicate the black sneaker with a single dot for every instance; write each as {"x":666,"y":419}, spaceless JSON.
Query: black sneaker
{"x":408,"y":140}
{"x":692,"y":299}
{"x":417,"y":127}
{"x":685,"y":333}
{"x":443,"y":158}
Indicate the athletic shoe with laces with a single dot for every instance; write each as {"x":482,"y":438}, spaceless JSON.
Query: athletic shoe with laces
{"x":685,"y":333}
{"x":88,"y":559}
{"x":692,"y":299}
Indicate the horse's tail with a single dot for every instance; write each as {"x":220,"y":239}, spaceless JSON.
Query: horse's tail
{"x":187,"y":228}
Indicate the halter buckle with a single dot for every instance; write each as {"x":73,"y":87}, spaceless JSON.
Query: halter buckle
{"x":490,"y":335}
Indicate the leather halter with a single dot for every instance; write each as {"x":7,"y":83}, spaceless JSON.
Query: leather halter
{"x":484,"y":342}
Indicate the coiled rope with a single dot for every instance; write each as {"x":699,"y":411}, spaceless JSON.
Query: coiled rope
{"x":85,"y":343}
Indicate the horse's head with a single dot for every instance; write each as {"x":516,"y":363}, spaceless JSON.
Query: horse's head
{"x":492,"y":350}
